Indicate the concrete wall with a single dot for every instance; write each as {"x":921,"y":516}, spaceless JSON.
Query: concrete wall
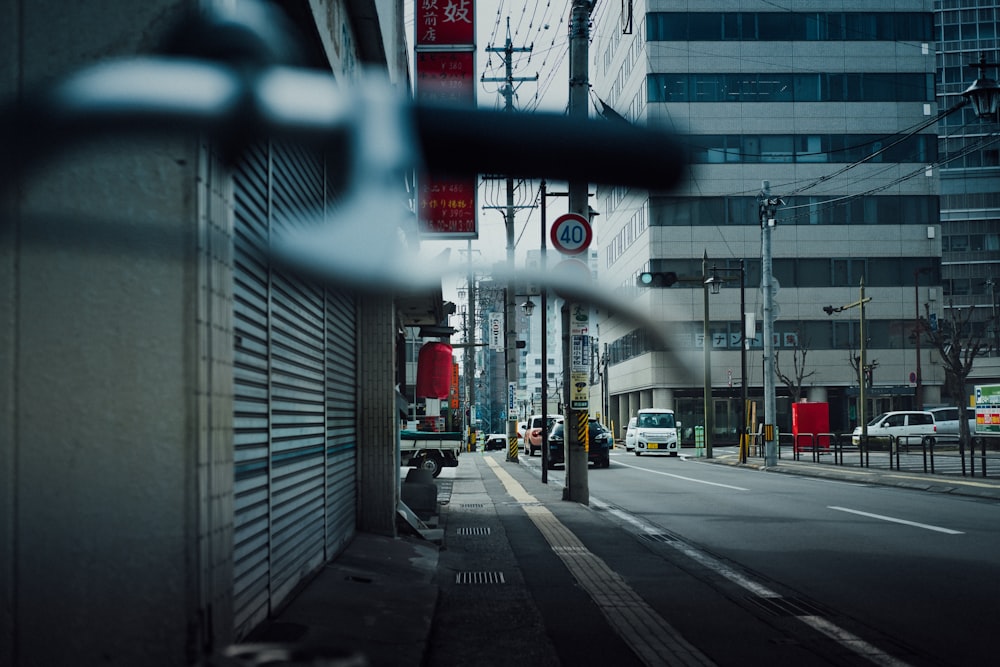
{"x":117,"y":332}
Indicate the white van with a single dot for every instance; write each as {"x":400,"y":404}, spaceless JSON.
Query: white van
{"x":656,"y":432}
{"x":908,"y":425}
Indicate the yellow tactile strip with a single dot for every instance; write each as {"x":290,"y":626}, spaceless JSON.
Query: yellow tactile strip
{"x":654,"y":640}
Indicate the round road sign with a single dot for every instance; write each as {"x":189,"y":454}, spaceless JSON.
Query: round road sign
{"x":571,"y":234}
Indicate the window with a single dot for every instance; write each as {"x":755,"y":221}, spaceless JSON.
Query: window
{"x":894,"y":420}
{"x":848,"y":272}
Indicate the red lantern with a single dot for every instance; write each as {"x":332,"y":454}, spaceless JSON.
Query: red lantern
{"x":434,"y":370}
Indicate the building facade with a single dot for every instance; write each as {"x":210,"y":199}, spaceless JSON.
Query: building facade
{"x":833,"y":105}
{"x":966,"y":30}
{"x":188,"y":431}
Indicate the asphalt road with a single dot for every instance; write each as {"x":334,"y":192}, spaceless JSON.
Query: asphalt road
{"x":749,"y":565}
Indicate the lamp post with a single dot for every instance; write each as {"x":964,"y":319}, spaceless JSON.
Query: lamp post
{"x":918,"y":390}
{"x":860,"y":303}
{"x":984,"y":93}
{"x":715,"y":282}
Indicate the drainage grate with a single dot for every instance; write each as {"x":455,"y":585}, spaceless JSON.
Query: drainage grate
{"x":479,"y":578}
{"x":473,"y":506}
{"x":474,"y":530}
{"x":779,"y":606}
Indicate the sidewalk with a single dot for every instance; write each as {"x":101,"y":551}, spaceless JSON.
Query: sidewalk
{"x":978,"y":487}
{"x":404,"y":601}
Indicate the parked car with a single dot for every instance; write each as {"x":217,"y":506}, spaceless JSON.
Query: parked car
{"x":630,"y":434}
{"x":522,"y":433}
{"x":495,"y":442}
{"x":656,"y":432}
{"x":598,"y":453}
{"x":911,"y":425}
{"x":533,"y":432}
{"x":946,"y":420}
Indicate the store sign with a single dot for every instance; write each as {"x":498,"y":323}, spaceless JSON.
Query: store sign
{"x":496,"y":332}
{"x":445,"y":72}
{"x":445,"y":22}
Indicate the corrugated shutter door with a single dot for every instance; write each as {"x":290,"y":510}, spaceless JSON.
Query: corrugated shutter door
{"x":295,"y":395}
{"x":252,"y":424}
{"x":341,"y":422}
{"x":297,"y":388}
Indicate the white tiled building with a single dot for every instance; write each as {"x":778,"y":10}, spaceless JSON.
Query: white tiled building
{"x":833,"y":104}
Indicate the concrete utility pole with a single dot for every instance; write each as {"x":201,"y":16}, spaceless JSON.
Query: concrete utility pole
{"x":767,"y":206}
{"x":577,"y":414}
{"x":470,"y":352}
{"x":510,"y":341}
{"x":707,"y":351}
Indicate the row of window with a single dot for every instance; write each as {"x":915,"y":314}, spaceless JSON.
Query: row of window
{"x":971,"y":243}
{"x":798,"y":210}
{"x":782,"y":87}
{"x":789,"y":26}
{"x":832,"y":334}
{"x":795,"y":272}
{"x":832,"y":148}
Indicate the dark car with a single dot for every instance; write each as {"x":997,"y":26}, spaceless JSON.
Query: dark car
{"x":495,"y":442}
{"x":601,"y":443}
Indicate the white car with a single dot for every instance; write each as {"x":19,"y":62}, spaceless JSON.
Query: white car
{"x":908,"y":426}
{"x":630,"y":434}
{"x":656,"y":432}
{"x":946,"y":420}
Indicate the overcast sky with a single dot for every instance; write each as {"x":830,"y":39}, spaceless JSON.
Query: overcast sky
{"x":542,"y":27}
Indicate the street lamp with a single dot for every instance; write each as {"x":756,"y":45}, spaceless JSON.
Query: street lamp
{"x":860,"y":303}
{"x":984,"y":93}
{"x":918,"y":391}
{"x":528,"y":307}
{"x":715,"y":283}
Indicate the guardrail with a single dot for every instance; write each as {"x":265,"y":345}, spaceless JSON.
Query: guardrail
{"x":929,"y":454}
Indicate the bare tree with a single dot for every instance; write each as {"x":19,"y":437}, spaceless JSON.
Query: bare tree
{"x":855,"y":360}
{"x":796,"y":379}
{"x":958,"y":346}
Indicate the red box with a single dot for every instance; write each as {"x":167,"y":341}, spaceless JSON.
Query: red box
{"x":812,"y":419}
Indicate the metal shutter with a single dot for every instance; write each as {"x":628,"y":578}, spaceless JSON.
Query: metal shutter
{"x":295,"y":402}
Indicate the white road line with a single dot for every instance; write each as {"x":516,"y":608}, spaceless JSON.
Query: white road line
{"x":686,"y":479}
{"x":925,"y":526}
{"x":834,"y":632}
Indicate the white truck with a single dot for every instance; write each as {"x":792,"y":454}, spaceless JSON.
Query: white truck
{"x":430,"y":450}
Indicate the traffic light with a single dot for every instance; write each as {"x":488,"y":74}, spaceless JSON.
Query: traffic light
{"x":657,"y":279}
{"x":828,"y":310}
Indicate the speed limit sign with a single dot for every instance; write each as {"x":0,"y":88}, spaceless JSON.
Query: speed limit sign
{"x":571,"y":234}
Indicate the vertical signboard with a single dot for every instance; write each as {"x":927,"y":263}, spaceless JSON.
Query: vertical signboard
{"x":987,"y":409}
{"x":579,"y":376}
{"x":445,"y":65}
{"x":496,"y":332}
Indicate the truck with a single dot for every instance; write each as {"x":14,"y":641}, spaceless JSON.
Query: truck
{"x":430,"y":450}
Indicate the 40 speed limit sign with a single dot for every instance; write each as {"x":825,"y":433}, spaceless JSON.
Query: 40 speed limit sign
{"x":571,"y":234}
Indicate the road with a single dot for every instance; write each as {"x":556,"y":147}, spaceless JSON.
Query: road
{"x":888,"y":575}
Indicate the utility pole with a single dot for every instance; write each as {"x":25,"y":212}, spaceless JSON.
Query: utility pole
{"x":510,"y":340}
{"x":470,"y":352}
{"x":767,"y":205}
{"x":576,"y":419}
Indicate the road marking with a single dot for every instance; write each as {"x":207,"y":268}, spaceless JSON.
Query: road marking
{"x":817,"y":623}
{"x":686,"y":479}
{"x":925,"y":526}
{"x":658,"y":643}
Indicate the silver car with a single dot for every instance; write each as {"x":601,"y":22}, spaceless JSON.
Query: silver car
{"x":630,"y":434}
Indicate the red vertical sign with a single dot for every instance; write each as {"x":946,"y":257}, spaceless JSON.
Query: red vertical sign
{"x":445,"y":23}
{"x":445,"y":67}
